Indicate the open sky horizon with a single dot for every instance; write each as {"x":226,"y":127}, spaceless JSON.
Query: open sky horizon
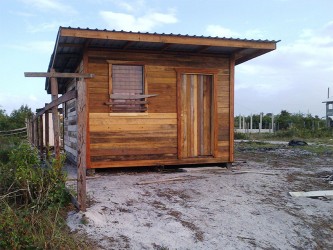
{"x":295,"y":77}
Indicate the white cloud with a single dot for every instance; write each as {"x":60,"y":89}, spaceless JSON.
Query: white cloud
{"x":126,"y":6}
{"x":122,"y":21}
{"x":129,"y":6}
{"x":43,"y":47}
{"x":46,"y":5}
{"x":22,"y":14}
{"x":217,"y":30}
{"x":42,"y":27}
{"x":220,"y":31}
{"x":294,"y":77}
{"x":14,"y":101}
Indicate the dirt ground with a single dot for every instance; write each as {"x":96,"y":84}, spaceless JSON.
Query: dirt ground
{"x":248,"y":207}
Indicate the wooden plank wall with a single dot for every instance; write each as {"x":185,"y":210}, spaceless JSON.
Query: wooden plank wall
{"x":70,"y":127}
{"x":223,"y":98}
{"x":70,"y":122}
{"x":149,"y":139}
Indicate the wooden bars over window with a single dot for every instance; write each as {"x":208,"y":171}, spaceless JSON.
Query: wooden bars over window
{"x":127,"y":88}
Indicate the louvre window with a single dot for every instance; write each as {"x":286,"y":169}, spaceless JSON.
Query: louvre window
{"x":127,"y":89}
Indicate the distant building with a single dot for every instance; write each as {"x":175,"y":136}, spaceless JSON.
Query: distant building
{"x":329,"y":111}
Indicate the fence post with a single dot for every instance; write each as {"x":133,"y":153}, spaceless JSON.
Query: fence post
{"x":35,"y":131}
{"x":55,"y":116}
{"x":41,"y":134}
{"x":240,"y":122}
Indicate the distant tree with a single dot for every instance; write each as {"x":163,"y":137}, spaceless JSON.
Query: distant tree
{"x":284,"y":119}
{"x":3,"y":120}
{"x":18,"y":117}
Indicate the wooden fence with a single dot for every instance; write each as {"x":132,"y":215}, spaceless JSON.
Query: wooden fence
{"x":40,"y":132}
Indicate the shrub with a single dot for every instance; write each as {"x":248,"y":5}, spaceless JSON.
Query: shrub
{"x":33,"y":185}
{"x":32,"y":201}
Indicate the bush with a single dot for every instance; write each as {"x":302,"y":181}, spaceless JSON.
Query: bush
{"x":32,"y":185}
{"x":31,"y":196}
{"x":7,"y":144}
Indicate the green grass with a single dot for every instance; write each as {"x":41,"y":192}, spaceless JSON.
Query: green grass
{"x":319,"y":136}
{"x":318,"y":149}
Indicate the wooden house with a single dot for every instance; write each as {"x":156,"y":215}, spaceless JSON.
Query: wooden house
{"x":154,"y":100}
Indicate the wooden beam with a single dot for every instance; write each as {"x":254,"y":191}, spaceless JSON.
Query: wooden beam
{"x":203,"y":49}
{"x":255,"y":54}
{"x":71,"y":45}
{"x":127,"y":44}
{"x":130,"y":97}
{"x":166,"y":46}
{"x":56,"y":102}
{"x":58,"y":75}
{"x":159,"y":38}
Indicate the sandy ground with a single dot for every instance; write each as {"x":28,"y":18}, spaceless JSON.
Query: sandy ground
{"x":213,"y":208}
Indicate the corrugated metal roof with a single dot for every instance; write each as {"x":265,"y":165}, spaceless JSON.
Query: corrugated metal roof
{"x":171,"y":34}
{"x":70,"y":43}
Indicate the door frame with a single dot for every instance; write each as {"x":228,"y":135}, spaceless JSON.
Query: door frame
{"x":214,"y":116}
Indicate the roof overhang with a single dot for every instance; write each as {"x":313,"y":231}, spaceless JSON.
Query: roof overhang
{"x":71,"y":43}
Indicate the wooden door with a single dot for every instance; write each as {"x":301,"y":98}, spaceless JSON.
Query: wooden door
{"x":196,"y":97}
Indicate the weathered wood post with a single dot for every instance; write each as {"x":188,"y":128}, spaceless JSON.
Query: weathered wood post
{"x":32,"y":130}
{"x":35,"y":131}
{"x":47,"y":134}
{"x":55,"y":116}
{"x":81,"y":109}
{"x":41,"y":146}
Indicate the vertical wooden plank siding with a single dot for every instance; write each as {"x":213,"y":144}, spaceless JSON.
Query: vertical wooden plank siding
{"x":201,"y":112}
{"x":214,"y":121}
{"x":180,"y":150}
{"x":209,"y":136}
{"x":197,"y":115}
{"x":231,"y":108}
{"x":81,"y":144}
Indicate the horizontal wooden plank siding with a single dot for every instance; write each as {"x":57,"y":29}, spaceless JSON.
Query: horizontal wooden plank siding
{"x":70,"y":127}
{"x":117,"y":138}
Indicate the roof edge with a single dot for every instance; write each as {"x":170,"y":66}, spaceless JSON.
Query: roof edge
{"x":166,"y":38}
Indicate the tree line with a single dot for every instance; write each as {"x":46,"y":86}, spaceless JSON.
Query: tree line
{"x":284,"y":121}
{"x":16,"y":119}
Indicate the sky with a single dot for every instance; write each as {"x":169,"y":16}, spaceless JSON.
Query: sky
{"x":295,"y":77}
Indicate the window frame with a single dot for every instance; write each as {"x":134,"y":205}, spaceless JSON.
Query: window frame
{"x":144,"y":83}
